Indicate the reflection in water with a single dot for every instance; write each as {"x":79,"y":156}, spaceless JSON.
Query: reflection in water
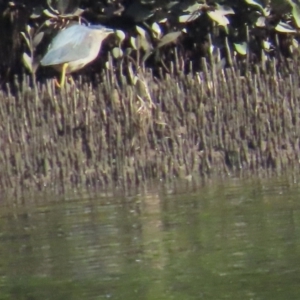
{"x":231,"y":240}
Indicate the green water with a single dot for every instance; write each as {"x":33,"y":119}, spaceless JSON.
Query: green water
{"x":236,"y":239}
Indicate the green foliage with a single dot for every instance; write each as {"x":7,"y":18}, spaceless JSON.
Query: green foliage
{"x":151,"y":30}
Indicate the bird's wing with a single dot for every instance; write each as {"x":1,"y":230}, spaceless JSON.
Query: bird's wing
{"x":71,"y":44}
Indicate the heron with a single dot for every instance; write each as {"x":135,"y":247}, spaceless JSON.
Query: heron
{"x":74,"y":47}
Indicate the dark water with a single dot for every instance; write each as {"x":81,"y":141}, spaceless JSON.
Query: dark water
{"x":237,"y":239}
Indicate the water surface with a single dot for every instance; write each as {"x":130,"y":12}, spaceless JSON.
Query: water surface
{"x":231,"y":239}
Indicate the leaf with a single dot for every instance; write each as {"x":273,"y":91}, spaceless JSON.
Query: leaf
{"x":295,"y":43}
{"x":261,"y":22}
{"x":121,"y":35}
{"x":133,"y":42}
{"x":34,"y":16}
{"x":36,"y":12}
{"x":78,"y":12}
{"x":254,"y":3}
{"x":226,"y":29}
{"x":144,"y":43}
{"x":49,"y":22}
{"x":51,"y":7}
{"x":225,"y":10}
{"x":35,"y":65}
{"x":117,"y":52}
{"x":146,"y":56}
{"x":128,"y":51}
{"x":107,"y":65}
{"x":28,"y":29}
{"x":267,"y":11}
{"x":193,"y":8}
{"x":283,"y":27}
{"x":163,"y":20}
{"x":132,"y":74}
{"x":189,"y":18}
{"x":141,"y":31}
{"x":65,"y":7}
{"x":156,"y":29}
{"x":26,"y":39}
{"x":296,"y":13}
{"x":142,"y":40}
{"x":38,"y":38}
{"x":27,"y":61}
{"x":218,"y":17}
{"x":49,"y":14}
{"x":169,"y":38}
{"x":241,"y":48}
{"x":266,"y":45}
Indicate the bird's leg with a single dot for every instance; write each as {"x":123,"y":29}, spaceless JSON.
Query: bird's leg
{"x":63,"y":75}
{"x":56,"y":83}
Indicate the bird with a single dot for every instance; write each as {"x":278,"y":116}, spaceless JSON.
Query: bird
{"x":74,"y":47}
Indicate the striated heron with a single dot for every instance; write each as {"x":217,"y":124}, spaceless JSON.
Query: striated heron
{"x":74,"y":47}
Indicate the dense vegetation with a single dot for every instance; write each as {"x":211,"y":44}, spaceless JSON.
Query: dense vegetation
{"x":153,"y":33}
